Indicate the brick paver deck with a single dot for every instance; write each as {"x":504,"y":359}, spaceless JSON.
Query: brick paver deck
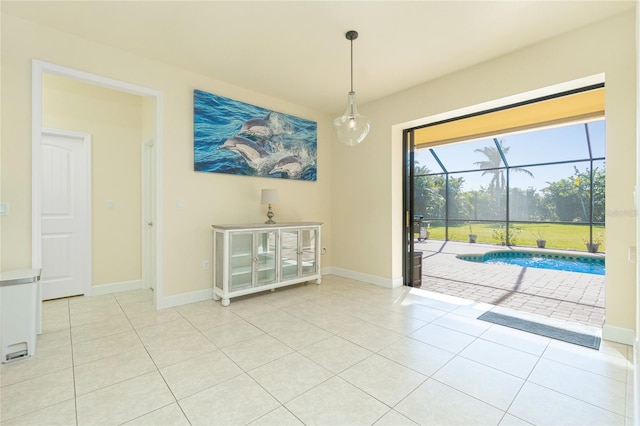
{"x":569,"y":296}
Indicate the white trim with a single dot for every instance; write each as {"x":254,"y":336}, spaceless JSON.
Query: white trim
{"x":148,"y":211}
{"x":185,"y":298}
{"x":36,"y":162}
{"x":101,"y":289}
{"x":634,"y":398}
{"x":38,"y":69}
{"x":158,"y":288}
{"x":367,"y":278}
{"x":626,"y":336}
{"x":397,"y":282}
{"x":87,"y":255}
{"x":327,"y":270}
{"x":95,"y":79}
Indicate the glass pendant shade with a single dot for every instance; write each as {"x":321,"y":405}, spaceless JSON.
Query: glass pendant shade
{"x":351,"y":128}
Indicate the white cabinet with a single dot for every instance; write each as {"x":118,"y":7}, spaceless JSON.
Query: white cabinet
{"x":252,"y":258}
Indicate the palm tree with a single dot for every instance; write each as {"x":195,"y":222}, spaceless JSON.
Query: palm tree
{"x":427,"y":198}
{"x":492,"y":166}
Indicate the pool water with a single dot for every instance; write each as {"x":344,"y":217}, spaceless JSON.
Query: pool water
{"x":555,"y":261}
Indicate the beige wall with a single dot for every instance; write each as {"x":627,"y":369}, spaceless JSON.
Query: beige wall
{"x":376,"y":188}
{"x":114,"y":121}
{"x":208,"y":198}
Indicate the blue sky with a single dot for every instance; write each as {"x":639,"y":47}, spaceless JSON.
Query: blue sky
{"x":567,"y":142}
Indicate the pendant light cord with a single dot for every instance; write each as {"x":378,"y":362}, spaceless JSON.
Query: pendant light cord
{"x":351,"y":64}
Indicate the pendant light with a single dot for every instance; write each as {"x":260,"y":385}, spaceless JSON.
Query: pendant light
{"x":351,"y":127}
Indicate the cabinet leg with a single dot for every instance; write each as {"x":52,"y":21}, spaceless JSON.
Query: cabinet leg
{"x":225,"y":302}
{"x":272,"y":290}
{"x":318,"y":280}
{"x":216,"y":297}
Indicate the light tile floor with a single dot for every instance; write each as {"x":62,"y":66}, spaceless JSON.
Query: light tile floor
{"x":339,"y":353}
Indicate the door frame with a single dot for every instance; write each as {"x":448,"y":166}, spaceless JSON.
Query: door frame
{"x":408,"y":154}
{"x":148,"y":156}
{"x":38,"y":69}
{"x":85,"y":139}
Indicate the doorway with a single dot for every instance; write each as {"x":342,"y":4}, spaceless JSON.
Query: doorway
{"x":152,"y":274}
{"x":482,"y":194}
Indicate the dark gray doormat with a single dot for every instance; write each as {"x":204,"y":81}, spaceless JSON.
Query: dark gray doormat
{"x":582,"y":339}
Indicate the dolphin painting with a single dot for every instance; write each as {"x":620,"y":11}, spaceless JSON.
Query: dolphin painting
{"x":250,"y":150}
{"x":291,"y":165}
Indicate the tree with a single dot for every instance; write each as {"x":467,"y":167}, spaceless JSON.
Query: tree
{"x":429,"y":196}
{"x":599,"y":181}
{"x":526,"y":204}
{"x":492,"y":166}
{"x":427,"y":199}
{"x":569,"y":198}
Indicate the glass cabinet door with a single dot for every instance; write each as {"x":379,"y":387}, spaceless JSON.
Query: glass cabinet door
{"x":289,"y":253}
{"x":308,"y":244}
{"x":266,"y":257}
{"x":241,"y":267}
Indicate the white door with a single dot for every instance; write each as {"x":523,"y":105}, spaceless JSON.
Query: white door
{"x":65,"y":215}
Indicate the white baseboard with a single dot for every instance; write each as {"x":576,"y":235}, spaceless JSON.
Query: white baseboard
{"x":371,"y":279}
{"x":636,"y":384}
{"x":397,"y":282}
{"x":622,"y":335}
{"x":99,"y":290}
{"x":327,"y":270}
{"x":185,"y":298}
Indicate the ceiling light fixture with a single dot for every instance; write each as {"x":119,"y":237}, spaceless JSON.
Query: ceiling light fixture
{"x":351,"y":127}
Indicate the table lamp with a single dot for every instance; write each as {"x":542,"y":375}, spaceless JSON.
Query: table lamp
{"x":269,"y":196}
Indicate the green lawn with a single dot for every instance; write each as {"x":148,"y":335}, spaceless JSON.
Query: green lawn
{"x":558,"y":236}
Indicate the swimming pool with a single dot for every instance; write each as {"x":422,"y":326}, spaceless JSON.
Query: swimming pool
{"x":527,"y":259}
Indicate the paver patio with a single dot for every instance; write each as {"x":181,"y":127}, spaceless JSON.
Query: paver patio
{"x":569,"y":296}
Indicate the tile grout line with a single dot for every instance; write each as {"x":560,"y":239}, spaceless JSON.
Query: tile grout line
{"x":73,"y":365}
{"x":157,"y":370}
{"x":524,"y":382}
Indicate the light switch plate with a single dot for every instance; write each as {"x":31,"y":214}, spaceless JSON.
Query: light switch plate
{"x":4,"y":209}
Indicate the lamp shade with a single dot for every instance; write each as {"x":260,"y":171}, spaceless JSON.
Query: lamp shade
{"x":269,"y":196}
{"x":351,"y":128}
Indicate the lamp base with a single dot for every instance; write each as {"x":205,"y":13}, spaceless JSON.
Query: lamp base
{"x":270,"y":215}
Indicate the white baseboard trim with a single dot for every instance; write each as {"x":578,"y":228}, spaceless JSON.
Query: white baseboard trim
{"x":185,"y":298}
{"x":371,"y":279}
{"x":622,"y":335}
{"x":397,"y":282}
{"x":636,"y":383}
{"x":101,"y":289}
{"x":327,"y":270}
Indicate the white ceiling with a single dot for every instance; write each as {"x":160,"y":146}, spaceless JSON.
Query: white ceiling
{"x":296,"y":50}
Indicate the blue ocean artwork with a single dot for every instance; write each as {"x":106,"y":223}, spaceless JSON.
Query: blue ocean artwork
{"x":237,"y":138}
